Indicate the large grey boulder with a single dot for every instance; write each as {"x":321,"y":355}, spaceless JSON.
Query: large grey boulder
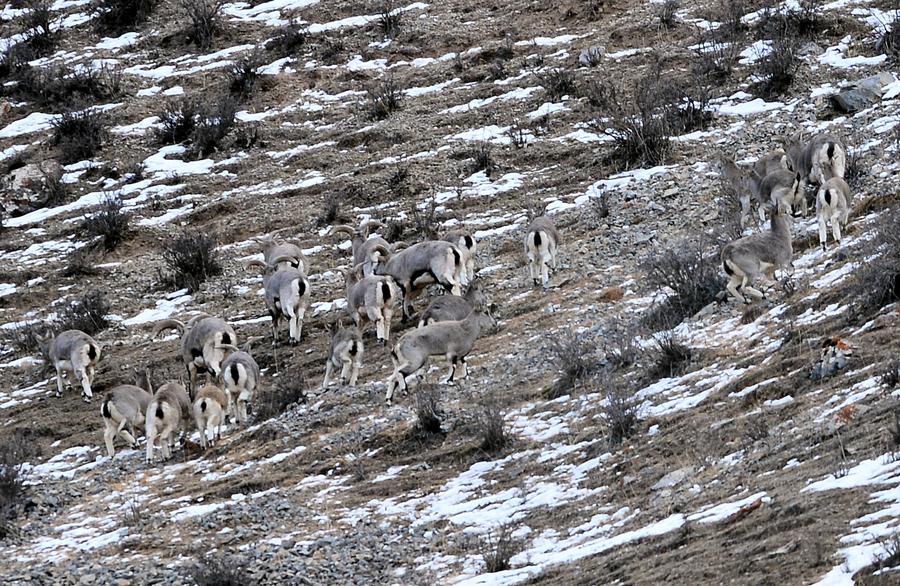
{"x":863,"y":93}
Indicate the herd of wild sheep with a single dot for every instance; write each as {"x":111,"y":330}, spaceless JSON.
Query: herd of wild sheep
{"x":384,"y":274}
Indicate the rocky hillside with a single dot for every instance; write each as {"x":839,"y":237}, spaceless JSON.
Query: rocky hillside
{"x":622,"y":426}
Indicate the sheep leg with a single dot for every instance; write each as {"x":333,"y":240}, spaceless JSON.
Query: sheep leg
{"x":329,"y":370}
{"x":836,"y":229}
{"x":192,"y":373}
{"x":299,"y":313}
{"x":745,"y":209}
{"x":823,"y":233}
{"x":552,"y":247}
{"x":151,"y":437}
{"x":241,"y":411}
{"x":59,"y":381}
{"x":130,"y":439}
{"x":276,"y":319}
{"x":465,"y":368}
{"x":545,"y":274}
{"x":452,"y":360}
{"x":354,"y":372}
{"x":388,"y":315}
{"x":732,"y":287}
{"x":345,"y":371}
{"x":108,"y":435}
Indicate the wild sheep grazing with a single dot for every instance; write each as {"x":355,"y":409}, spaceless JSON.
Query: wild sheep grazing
{"x":204,"y":344}
{"x":240,"y":373}
{"x":287,"y":295}
{"x":413,"y":268}
{"x":209,"y":412}
{"x":368,"y":251}
{"x":745,"y":259}
{"x":541,"y":244}
{"x":781,"y":190}
{"x":745,"y":181}
{"x":452,"y":339}
{"x":346,"y":353}
{"x":123,"y":410}
{"x":469,"y":247}
{"x":166,"y":414}
{"x":372,"y":299}
{"x":278,"y":255}
{"x":74,"y":355}
{"x":833,"y":206}
{"x":817,"y":159}
{"x":453,"y":308}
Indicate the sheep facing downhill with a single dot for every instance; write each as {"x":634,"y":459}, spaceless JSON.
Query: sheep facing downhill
{"x":241,"y":376}
{"x":833,"y":206}
{"x":167,"y":412}
{"x":209,"y":412}
{"x":346,"y":353}
{"x":745,"y":259}
{"x":123,"y":410}
{"x":205,"y":341}
{"x":451,"y":339}
{"x":74,"y":355}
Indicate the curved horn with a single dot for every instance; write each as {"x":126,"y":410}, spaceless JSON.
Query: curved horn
{"x":349,"y":230}
{"x":399,"y":245}
{"x":167,"y":324}
{"x":382,"y":249}
{"x":231,"y":347}
{"x":285,"y":258}
{"x":368,"y":226}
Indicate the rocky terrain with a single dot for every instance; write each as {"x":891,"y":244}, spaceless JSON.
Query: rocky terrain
{"x":605,"y":434}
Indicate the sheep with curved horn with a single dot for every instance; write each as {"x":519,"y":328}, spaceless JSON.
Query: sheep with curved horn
{"x":241,"y":376}
{"x":204,"y":344}
{"x":287,"y":295}
{"x":123,"y":410}
{"x":167,"y":412}
{"x":366,"y":250}
{"x":816,"y":159}
{"x":280,"y":255}
{"x":432,"y":261}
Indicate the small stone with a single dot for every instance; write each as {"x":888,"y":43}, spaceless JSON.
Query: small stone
{"x":671,"y":479}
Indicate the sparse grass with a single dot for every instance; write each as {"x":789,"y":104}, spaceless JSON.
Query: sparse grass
{"x":191,"y":259}
{"x":424,"y":221}
{"x":889,"y":39}
{"x":16,"y":447}
{"x":481,"y":159}
{"x":79,"y":134}
{"x":715,"y":57}
{"x":177,"y":121}
{"x":694,"y":278}
{"x":670,"y":356}
{"x":398,"y":182}
{"x":753,"y":313}
{"x":205,"y":20}
{"x":221,"y":571}
{"x":88,"y":314}
{"x":331,"y":210}
{"x":497,"y":549}
{"x":79,"y":263}
{"x":558,"y":82}
{"x":428,"y":409}
{"x":37,"y":27}
{"x":855,"y":172}
{"x":390,"y":19}
{"x":243,"y":75}
{"x":778,"y":68}
{"x":517,"y":137}
{"x":384,"y":99}
{"x":26,"y":338}
{"x":117,"y":16}
{"x":620,"y":412}
{"x":573,"y":355}
{"x":57,"y":86}
{"x":54,"y":191}
{"x":666,"y":13}
{"x":213,"y":124}
{"x":491,"y":427}
{"x":877,"y":282}
{"x":278,"y":398}
{"x":111,"y":224}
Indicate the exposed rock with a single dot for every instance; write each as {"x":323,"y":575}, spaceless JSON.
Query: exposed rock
{"x":672,"y":479}
{"x":863,"y":93}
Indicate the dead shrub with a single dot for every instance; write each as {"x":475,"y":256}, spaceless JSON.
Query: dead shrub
{"x":802,"y":21}
{"x":855,"y":172}
{"x":498,"y":548}
{"x":111,"y":224}
{"x":888,"y":41}
{"x":670,"y":356}
{"x":428,"y":409}
{"x":278,"y":398}
{"x":423,"y":219}
{"x":243,"y":75}
{"x":177,"y":121}
{"x":16,"y":447}
{"x":221,"y":571}
{"x":694,"y":278}
{"x":213,"y":124}
{"x":87,"y":313}
{"x":330,"y":50}
{"x":288,"y":40}
{"x":79,"y":134}
{"x":58,"y":86}
{"x":390,"y":19}
{"x":331,"y":210}
{"x":890,"y":376}
{"x":37,"y":27}
{"x":481,"y":159}
{"x":54,"y":191}
{"x":191,"y":259}
{"x":491,"y":427}
{"x":877,"y":282}
{"x":572,"y":354}
{"x":753,"y":313}
{"x":80,"y":263}
{"x":778,"y":68}
{"x":715,"y":57}
{"x":557,"y":82}
{"x":384,"y":99}
{"x":667,"y":13}
{"x":205,"y":20}
{"x":116,"y":16}
{"x":26,"y":338}
{"x":398,"y":182}
{"x":730,"y":13}
{"x":620,"y":410}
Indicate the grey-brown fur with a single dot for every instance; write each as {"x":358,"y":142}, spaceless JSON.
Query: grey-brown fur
{"x":453,"y":308}
{"x":833,"y":206}
{"x":281,"y":255}
{"x":468,"y":245}
{"x":169,"y":409}
{"x":346,"y":353}
{"x":241,"y":376}
{"x":74,"y":355}
{"x":204,"y":344}
{"x":367,"y":251}
{"x":123,"y":410}
{"x":451,"y":339}
{"x":372,"y":299}
{"x":432,"y":261}
{"x":747,"y":258}
{"x":209,"y":412}
{"x":541,"y":244}
{"x":744,"y":181}
{"x":287,"y":295}
{"x":816,"y":159}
